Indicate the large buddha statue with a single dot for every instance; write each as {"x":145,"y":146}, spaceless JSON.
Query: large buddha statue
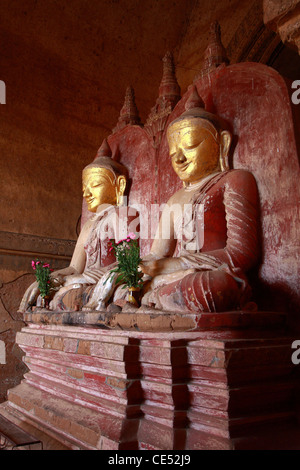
{"x":207,"y":237}
{"x":104,"y":183}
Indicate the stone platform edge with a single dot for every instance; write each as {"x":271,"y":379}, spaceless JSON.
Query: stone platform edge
{"x":153,"y":320}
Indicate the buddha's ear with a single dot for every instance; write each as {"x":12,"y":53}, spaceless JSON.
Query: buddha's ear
{"x":225,"y":142}
{"x":120,"y":188}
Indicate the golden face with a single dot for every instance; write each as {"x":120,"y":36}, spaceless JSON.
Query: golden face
{"x":194,"y":149}
{"x":98,"y":188}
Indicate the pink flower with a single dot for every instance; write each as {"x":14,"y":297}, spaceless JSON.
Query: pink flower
{"x":46,"y":265}
{"x":132,"y":235}
{"x":33,"y":264}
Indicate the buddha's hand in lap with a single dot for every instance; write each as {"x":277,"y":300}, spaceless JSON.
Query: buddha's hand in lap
{"x":74,"y":279}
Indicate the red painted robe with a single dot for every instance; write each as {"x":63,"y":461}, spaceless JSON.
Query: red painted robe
{"x":224,"y":235}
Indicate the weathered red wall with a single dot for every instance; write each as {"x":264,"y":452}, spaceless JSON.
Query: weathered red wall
{"x":49,"y":131}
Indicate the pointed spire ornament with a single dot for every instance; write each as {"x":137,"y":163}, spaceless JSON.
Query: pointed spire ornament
{"x":169,"y":87}
{"x":215,"y":53}
{"x":168,"y":97}
{"x":129,"y":113}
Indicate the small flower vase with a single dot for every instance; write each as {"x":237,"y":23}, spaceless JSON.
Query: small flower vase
{"x":134,"y":295}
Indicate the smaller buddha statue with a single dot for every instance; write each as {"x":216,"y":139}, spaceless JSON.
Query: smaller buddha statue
{"x":207,"y":238}
{"x":103,"y":182}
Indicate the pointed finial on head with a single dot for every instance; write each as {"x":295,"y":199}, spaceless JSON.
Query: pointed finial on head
{"x":104,"y":150}
{"x":194,"y":100}
{"x":195,"y":108}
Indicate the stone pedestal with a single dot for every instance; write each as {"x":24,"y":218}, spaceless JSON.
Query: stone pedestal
{"x":227,"y":383}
